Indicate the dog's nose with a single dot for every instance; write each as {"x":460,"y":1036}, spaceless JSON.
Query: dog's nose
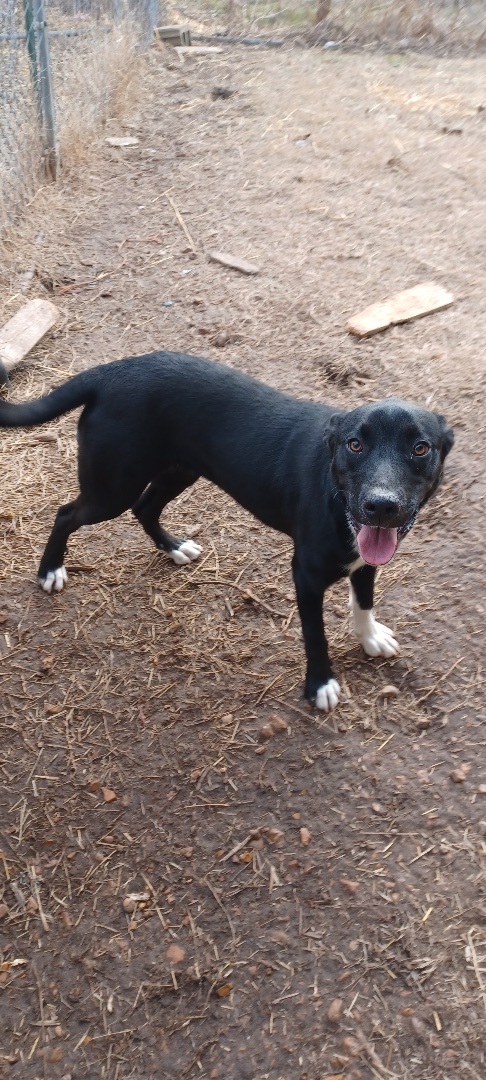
{"x":381,"y":508}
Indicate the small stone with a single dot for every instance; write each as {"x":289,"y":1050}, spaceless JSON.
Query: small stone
{"x":351,"y":1046}
{"x":277,"y":723}
{"x":221,"y":339}
{"x":389,"y":691}
{"x":266,"y":732}
{"x":280,"y":937}
{"x":108,"y":794}
{"x":423,"y":722}
{"x":419,"y":1027}
{"x":3,"y":911}
{"x":377,"y":807}
{"x":175,"y":954}
{"x":335,"y":1010}
{"x":460,"y":774}
{"x":305,"y":836}
{"x":129,"y":905}
{"x":350,"y":886}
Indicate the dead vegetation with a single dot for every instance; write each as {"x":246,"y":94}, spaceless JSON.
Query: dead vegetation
{"x":200,"y":876}
{"x":391,"y":23}
{"x":97,"y":79}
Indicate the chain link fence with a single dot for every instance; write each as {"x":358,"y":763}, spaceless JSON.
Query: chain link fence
{"x":20,"y":142}
{"x":63,"y":64}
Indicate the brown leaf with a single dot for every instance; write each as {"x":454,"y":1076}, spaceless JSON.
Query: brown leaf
{"x":224,"y":990}
{"x":56,"y":1054}
{"x":51,"y":710}
{"x":335,"y":1010}
{"x":175,"y":954}
{"x":108,"y":794}
{"x":46,"y":664}
{"x":274,"y":835}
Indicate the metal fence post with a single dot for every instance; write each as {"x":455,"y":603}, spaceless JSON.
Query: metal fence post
{"x":45,"y":91}
{"x":32,"y":51}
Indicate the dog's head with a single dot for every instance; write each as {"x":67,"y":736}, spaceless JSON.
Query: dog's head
{"x":387,"y":461}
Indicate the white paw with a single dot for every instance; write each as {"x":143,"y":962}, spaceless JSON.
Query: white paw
{"x":328,"y":695}
{"x":187,"y":552}
{"x":378,"y":640}
{"x":54,"y":581}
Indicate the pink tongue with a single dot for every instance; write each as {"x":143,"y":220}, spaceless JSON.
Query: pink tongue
{"x":377,"y":546}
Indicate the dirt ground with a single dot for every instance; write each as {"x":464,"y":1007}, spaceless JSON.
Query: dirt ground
{"x":312,"y":906}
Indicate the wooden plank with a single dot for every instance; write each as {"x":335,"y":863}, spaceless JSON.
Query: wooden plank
{"x":234,"y":262}
{"x":25,"y":329}
{"x":198,"y":50}
{"x":402,"y":307}
{"x":122,"y":140}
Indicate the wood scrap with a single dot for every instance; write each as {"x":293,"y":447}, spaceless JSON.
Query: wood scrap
{"x":197,"y":50}
{"x":234,"y":262}
{"x":174,"y":35}
{"x":122,"y":141}
{"x":424,"y":299}
{"x":24,"y":330}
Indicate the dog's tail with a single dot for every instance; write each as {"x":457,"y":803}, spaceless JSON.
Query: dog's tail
{"x":78,"y":391}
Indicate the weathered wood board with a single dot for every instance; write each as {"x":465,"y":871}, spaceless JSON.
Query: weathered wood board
{"x":404,"y":306}
{"x":234,"y":262}
{"x":25,"y":329}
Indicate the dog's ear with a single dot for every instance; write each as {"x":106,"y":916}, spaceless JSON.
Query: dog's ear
{"x":333,"y":430}
{"x":447,"y":436}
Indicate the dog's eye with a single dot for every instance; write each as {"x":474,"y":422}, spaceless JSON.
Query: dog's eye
{"x":421,"y":449}
{"x":355,"y":446}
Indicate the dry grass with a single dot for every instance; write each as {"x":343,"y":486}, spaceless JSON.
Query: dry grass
{"x":95,"y":78}
{"x":425,"y":22}
{"x":95,"y":81}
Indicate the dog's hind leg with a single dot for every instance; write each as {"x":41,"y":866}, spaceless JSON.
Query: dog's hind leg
{"x":376,"y":639}
{"x":148,"y":509}
{"x":52,"y":574}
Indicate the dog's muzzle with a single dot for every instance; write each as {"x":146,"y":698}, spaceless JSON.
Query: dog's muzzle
{"x":377,"y":544}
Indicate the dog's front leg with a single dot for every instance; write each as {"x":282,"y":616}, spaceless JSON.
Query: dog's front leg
{"x":320,"y":685}
{"x":376,"y":639}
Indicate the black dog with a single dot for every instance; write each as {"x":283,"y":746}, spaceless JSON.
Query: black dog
{"x":346,"y":486}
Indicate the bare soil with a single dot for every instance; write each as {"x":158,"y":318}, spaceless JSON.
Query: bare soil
{"x":312,"y":905}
